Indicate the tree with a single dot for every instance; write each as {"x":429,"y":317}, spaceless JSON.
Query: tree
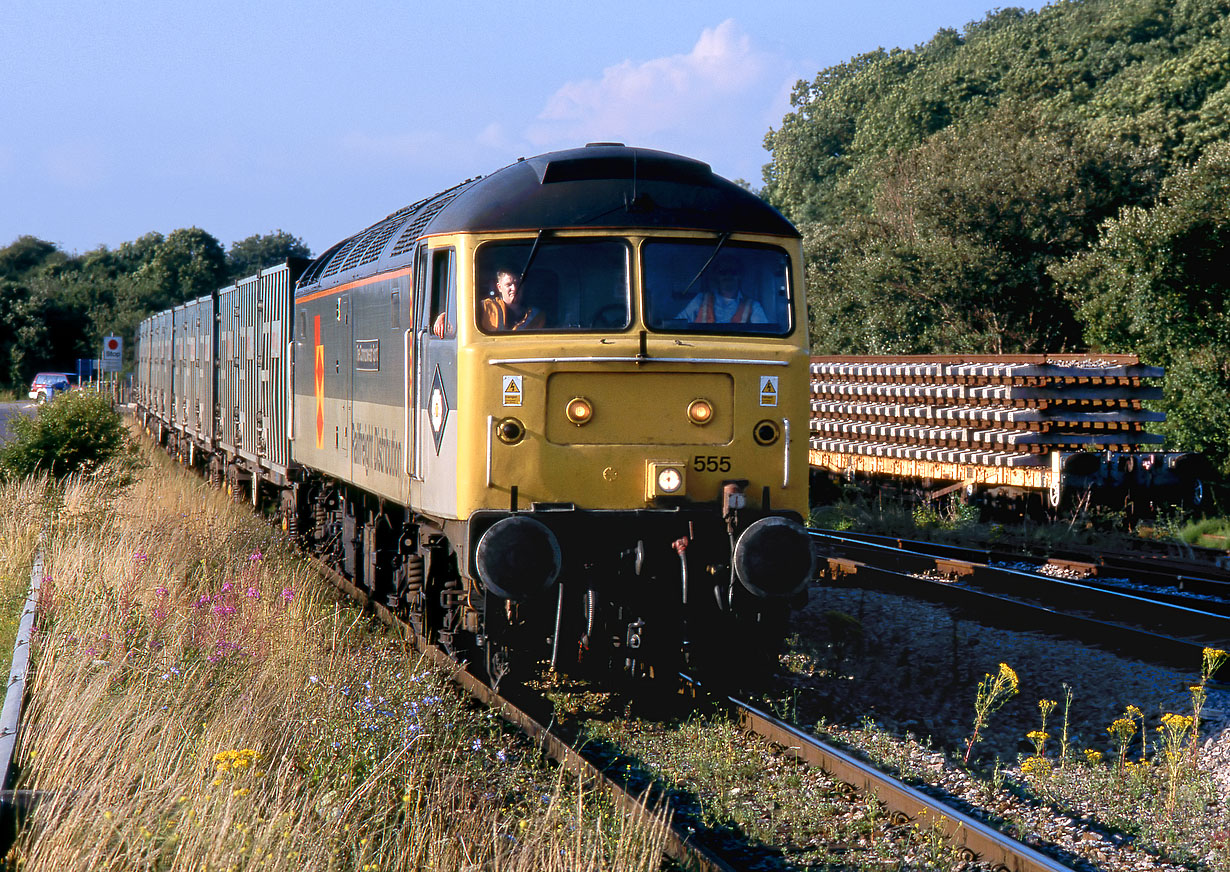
{"x":26,"y":254}
{"x":189,"y":263}
{"x":954,"y":251}
{"x":258,"y":252}
{"x":76,"y":432}
{"x":1158,"y":282}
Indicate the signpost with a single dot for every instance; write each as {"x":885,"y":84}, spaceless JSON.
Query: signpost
{"x":112,"y":353}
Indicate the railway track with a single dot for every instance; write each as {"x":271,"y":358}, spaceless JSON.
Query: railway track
{"x":1161,"y":632}
{"x":977,"y":841}
{"x":1160,"y":569}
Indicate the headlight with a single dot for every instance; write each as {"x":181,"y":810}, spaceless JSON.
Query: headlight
{"x":579,"y":411}
{"x":700,"y":412}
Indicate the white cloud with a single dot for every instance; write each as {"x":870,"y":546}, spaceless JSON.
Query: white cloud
{"x":494,"y":136}
{"x":715,"y":102}
{"x":722,"y":89}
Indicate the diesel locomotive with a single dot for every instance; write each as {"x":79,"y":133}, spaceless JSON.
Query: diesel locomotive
{"x":558,"y":412}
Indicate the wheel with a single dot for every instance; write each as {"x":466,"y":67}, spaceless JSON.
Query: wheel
{"x":1195,"y":493}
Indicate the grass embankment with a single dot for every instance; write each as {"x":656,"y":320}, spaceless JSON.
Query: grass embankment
{"x":23,"y":510}
{"x":202,"y":701}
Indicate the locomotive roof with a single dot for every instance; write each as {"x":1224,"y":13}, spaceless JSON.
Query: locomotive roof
{"x":602,"y":185}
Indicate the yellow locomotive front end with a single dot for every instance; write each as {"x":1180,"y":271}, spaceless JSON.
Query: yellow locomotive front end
{"x":590,"y":411}
{"x":636,"y":424}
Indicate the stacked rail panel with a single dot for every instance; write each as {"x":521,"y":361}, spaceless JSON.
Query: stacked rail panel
{"x":1016,"y":420}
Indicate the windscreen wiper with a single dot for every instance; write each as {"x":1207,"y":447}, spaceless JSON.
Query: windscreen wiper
{"x":529,"y":260}
{"x":721,"y":241}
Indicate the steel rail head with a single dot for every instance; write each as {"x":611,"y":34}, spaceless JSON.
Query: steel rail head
{"x":963,"y":831}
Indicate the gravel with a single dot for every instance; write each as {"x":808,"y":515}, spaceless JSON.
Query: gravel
{"x":913,"y":668}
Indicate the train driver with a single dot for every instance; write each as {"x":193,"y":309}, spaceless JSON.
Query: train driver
{"x":508,"y":308}
{"x":726,"y":305}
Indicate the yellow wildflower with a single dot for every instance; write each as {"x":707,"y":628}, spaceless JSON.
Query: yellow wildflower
{"x":1178,"y":723}
{"x":1094,"y":757}
{"x":1037,"y":736}
{"x":1036,"y":766}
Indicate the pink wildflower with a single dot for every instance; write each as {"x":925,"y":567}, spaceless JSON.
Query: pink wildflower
{"x":255,"y":556}
{"x":253,"y":593}
{"x":287,"y":594}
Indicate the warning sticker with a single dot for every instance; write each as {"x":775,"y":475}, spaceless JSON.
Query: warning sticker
{"x":768,"y":390}
{"x":512,"y":390}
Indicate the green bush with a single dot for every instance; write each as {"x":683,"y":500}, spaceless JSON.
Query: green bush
{"x":77,"y":432}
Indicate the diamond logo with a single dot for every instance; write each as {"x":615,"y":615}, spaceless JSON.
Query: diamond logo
{"x":437,"y":409}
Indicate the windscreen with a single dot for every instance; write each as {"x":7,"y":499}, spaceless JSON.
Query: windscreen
{"x":555,"y":285}
{"x":712,"y":286}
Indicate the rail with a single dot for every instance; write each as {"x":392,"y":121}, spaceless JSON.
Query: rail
{"x":682,"y":847}
{"x":971,"y":835}
{"x":1004,"y":594}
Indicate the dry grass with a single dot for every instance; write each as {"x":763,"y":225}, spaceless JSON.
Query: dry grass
{"x":201,"y":701}
{"x":751,"y":793}
{"x":24,"y":509}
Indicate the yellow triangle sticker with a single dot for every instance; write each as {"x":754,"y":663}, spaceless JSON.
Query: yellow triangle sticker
{"x":512,"y":390}
{"x":768,"y":390}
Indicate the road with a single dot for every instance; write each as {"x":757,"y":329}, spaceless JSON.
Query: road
{"x":11,"y":410}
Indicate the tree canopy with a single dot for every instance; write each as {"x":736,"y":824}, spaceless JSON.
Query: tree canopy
{"x":1020,"y":185}
{"x":56,"y":307}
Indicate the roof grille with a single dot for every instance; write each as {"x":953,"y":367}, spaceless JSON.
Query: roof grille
{"x":335,"y":262}
{"x":426,"y":210}
{"x":367,"y":246}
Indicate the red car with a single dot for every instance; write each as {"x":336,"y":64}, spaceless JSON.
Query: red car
{"x":47,"y":384}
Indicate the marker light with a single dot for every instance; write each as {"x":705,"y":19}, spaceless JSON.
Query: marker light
{"x":579,"y":411}
{"x":766,"y":432}
{"x":664,"y":479}
{"x":669,"y":480}
{"x":700,"y":412}
{"x":510,"y":431}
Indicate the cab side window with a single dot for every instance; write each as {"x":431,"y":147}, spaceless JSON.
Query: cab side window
{"x":442,"y":308}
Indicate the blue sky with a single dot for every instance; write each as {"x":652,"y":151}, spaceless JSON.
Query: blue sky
{"x":320,"y":118}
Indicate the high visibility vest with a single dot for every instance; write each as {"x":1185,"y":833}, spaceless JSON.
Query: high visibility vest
{"x":705,"y":314}
{"x":495,"y":316}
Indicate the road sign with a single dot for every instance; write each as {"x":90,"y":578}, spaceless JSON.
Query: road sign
{"x":112,"y":353}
